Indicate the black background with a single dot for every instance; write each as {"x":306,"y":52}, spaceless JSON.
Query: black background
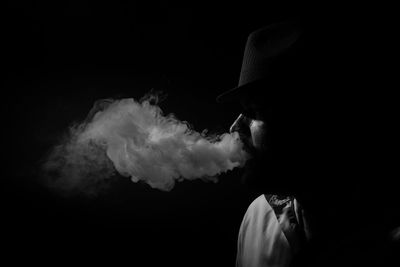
{"x":60,"y":57}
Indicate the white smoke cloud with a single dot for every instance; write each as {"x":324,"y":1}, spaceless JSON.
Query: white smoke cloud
{"x":138,"y":141}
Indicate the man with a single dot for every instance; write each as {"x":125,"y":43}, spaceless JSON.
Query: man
{"x":310,"y":211}
{"x":274,"y":227}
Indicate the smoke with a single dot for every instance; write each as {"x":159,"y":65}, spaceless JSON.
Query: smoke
{"x":138,"y":141}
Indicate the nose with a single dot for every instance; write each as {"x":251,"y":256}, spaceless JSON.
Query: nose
{"x":238,"y":124}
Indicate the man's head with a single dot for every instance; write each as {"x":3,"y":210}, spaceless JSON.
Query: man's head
{"x":269,"y":82}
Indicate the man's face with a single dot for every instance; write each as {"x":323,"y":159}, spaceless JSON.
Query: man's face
{"x":254,"y":128}
{"x":261,"y":135}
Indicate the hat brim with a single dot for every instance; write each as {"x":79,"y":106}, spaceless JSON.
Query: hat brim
{"x":242,"y":92}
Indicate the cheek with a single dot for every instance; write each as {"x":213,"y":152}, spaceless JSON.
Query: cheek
{"x":258,"y":134}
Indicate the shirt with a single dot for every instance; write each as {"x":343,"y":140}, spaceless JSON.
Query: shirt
{"x":270,"y":233}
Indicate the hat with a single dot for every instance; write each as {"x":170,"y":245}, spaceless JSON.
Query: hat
{"x":269,"y":53}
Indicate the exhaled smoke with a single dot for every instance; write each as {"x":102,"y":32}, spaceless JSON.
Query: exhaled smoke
{"x":138,"y":141}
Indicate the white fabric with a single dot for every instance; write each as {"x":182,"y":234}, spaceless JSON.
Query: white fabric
{"x":261,"y":242}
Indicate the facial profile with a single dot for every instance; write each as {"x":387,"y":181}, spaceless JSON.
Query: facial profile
{"x":254,"y":127}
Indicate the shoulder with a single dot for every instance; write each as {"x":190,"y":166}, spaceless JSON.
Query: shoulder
{"x":258,"y":212}
{"x":261,"y":239}
{"x":258,"y":207}
{"x":260,"y":201}
{"x":265,"y":203}
{"x":256,"y":221}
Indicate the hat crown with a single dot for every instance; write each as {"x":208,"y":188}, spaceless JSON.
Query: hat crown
{"x":263,"y":46}
{"x":271,"y":53}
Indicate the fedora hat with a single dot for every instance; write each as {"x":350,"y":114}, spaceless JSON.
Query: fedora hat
{"x":271,"y":53}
